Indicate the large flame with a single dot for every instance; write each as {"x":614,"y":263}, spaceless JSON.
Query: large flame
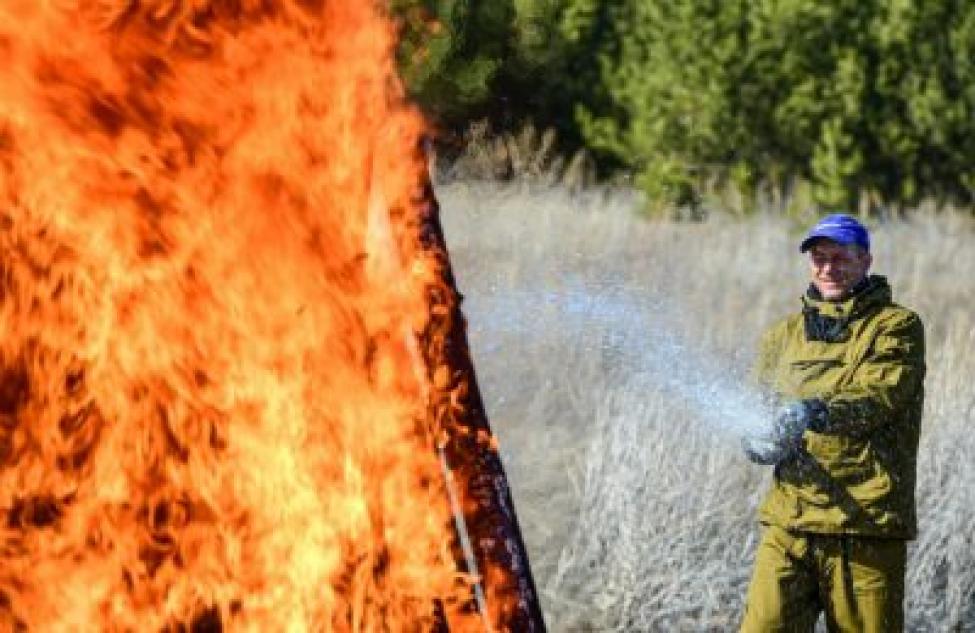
{"x":211,"y":408}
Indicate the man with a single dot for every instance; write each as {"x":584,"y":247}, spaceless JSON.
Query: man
{"x":848,"y":372}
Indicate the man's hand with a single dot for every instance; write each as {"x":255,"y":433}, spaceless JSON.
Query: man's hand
{"x":785,"y":438}
{"x":793,"y":418}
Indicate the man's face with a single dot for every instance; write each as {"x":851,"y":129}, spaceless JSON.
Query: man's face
{"x":837,"y":268}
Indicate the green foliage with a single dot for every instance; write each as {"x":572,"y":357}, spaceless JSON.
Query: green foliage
{"x":451,"y":52}
{"x":856,"y":97}
{"x":512,"y":62}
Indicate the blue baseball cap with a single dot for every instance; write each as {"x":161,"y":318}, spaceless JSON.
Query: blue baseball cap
{"x":841,"y":228}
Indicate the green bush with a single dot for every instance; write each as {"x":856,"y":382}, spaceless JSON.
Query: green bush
{"x":863,"y":99}
{"x":510,"y":62}
{"x":856,"y":96}
{"x":451,"y":52}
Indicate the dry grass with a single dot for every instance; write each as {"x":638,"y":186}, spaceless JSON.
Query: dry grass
{"x":610,"y":351}
{"x":529,"y":155}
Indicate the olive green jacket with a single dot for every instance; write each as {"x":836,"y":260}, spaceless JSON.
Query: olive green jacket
{"x":857,"y":476}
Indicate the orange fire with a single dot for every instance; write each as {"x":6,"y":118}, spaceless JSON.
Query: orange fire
{"x":212,"y":408}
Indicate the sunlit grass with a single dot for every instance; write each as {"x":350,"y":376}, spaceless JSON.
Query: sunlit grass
{"x":606,"y":346}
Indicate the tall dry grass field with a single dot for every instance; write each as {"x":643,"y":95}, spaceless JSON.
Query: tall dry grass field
{"x":612,"y":353}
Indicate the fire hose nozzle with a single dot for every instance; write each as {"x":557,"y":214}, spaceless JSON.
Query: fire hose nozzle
{"x":783,"y":439}
{"x":766,"y":451}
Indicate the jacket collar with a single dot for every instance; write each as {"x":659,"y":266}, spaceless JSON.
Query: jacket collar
{"x":872,"y":291}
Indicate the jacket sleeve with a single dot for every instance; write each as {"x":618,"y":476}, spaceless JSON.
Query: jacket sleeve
{"x":763,"y":369}
{"x":764,"y":366}
{"x":889,"y":379}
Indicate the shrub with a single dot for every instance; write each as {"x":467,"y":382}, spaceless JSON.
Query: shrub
{"x":858,"y":97}
{"x":864,"y":99}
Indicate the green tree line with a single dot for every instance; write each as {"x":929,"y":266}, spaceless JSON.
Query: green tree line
{"x":862,"y":99}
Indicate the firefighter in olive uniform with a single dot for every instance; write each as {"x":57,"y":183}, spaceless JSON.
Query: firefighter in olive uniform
{"x":846,"y":373}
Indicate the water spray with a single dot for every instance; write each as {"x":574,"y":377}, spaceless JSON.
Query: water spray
{"x":634,"y":333}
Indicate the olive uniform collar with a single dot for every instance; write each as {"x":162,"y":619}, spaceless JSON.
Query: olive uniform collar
{"x":829,"y":320}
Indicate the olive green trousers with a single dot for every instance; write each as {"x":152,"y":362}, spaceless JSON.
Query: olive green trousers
{"x":858,"y":581}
